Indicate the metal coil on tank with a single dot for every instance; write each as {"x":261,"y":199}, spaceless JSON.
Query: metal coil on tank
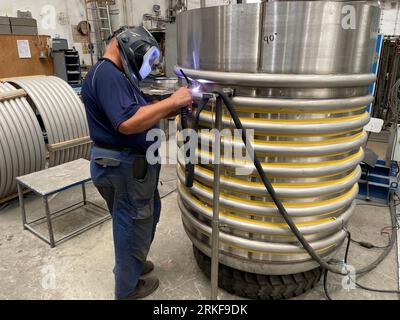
{"x":306,"y":101}
{"x":63,"y":115}
{"x":22,"y":148}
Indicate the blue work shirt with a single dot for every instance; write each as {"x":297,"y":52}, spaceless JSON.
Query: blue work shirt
{"x":110,"y":99}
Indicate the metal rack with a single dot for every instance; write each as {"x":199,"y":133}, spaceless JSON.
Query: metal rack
{"x":98,"y":14}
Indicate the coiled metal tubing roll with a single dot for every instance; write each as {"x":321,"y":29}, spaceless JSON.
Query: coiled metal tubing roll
{"x":22,"y":148}
{"x":62,"y":113}
{"x":306,"y":104}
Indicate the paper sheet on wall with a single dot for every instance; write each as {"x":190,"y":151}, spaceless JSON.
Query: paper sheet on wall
{"x":24,"y":51}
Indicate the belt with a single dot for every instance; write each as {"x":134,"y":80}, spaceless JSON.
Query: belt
{"x":135,"y":150}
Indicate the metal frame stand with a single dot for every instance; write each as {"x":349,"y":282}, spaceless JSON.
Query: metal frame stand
{"x":216,"y":194}
{"x":49,"y":215}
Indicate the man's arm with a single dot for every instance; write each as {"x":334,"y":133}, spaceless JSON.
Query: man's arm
{"x":148,"y":116}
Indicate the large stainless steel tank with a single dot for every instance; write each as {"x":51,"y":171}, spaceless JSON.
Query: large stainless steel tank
{"x":301,"y":71}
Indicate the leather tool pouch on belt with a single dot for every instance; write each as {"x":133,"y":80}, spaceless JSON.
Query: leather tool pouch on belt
{"x":144,"y":179}
{"x":140,"y":167}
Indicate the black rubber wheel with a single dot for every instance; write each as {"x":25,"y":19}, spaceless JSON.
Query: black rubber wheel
{"x":256,"y":286}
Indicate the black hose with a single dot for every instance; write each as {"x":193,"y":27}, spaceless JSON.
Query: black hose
{"x":390,"y":245}
{"x":185,"y":125}
{"x":373,"y":265}
{"x":328,"y":296}
{"x":376,"y":290}
{"x":189,"y":167}
{"x":326,"y":271}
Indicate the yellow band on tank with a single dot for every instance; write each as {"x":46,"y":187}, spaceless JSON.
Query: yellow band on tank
{"x":296,"y":111}
{"x":296,"y":143}
{"x":290,"y":165}
{"x":304,"y":121}
{"x":272,"y":204}
{"x":260,"y":215}
{"x":263,"y":223}
{"x":276,"y":253}
{"x":279,"y":184}
{"x":228,"y":244}
{"x":267,"y":134}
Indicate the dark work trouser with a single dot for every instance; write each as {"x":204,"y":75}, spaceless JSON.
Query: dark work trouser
{"x":135,"y":208}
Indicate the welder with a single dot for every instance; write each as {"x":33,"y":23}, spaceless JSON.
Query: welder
{"x":119,"y":118}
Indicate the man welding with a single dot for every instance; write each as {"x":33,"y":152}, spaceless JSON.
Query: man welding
{"x":119,"y":118}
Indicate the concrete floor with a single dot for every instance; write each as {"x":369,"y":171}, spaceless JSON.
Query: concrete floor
{"x":81,"y":268}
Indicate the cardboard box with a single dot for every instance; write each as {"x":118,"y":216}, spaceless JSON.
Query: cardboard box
{"x":23,"y":26}
{"x":5,"y":27}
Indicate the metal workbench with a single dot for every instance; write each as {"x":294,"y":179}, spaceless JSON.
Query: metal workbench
{"x":51,"y":181}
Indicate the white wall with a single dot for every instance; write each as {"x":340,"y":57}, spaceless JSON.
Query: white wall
{"x":193,"y":4}
{"x":71,"y":12}
{"x":136,"y":9}
{"x":40,"y":11}
{"x":54,"y":17}
{"x":390,"y":17}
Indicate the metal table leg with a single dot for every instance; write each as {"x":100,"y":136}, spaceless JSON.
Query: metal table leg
{"x":367,"y":198}
{"x":22,"y":204}
{"x":216,"y":194}
{"x":84,"y":193}
{"x":49,"y":224}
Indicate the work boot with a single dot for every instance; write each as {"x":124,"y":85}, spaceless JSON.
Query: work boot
{"x":148,"y":267}
{"x":144,"y":288}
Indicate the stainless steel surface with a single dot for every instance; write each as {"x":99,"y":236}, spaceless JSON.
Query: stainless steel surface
{"x":301,"y":83}
{"x":22,"y":148}
{"x":215,"y":203}
{"x":290,"y":80}
{"x":304,"y":104}
{"x":307,"y":38}
{"x":62,"y":112}
{"x":165,"y":83}
{"x":318,"y":44}
{"x":220,"y":38}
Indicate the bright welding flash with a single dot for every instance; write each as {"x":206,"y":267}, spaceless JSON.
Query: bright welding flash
{"x":195,"y":89}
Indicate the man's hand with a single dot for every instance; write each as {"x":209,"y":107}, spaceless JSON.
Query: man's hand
{"x":182,"y":98}
{"x":147,"y":116}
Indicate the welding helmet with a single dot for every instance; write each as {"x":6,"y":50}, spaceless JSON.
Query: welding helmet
{"x":139,"y":52}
